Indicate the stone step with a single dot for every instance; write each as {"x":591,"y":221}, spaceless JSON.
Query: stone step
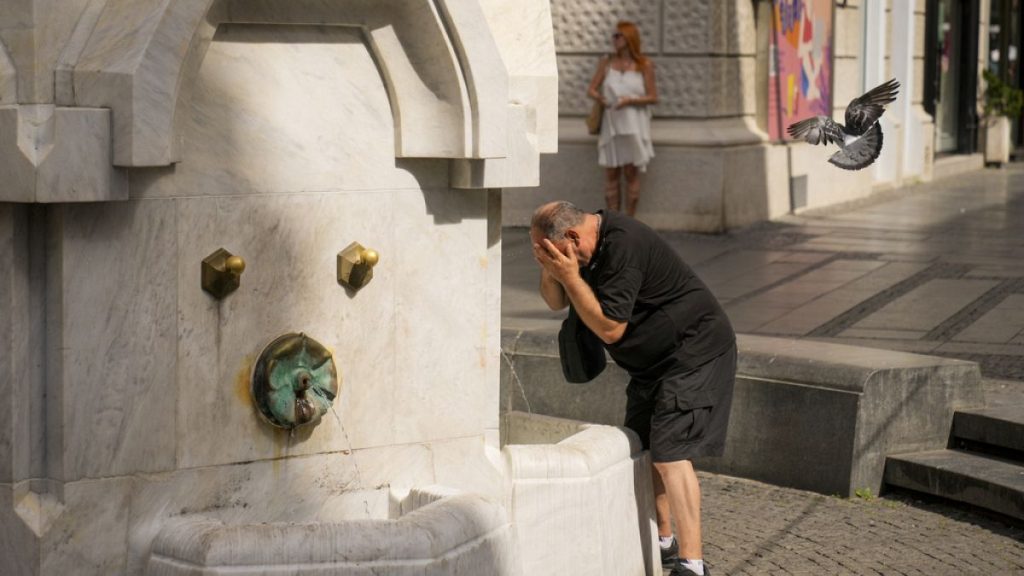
{"x":980,"y":480}
{"x":996,"y":430}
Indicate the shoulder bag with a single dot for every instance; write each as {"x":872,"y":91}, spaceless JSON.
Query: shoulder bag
{"x":581,"y":351}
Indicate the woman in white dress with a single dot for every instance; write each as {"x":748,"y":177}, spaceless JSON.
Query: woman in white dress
{"x":624,"y":83}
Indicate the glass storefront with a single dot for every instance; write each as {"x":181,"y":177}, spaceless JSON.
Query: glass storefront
{"x":948,"y":48}
{"x":1004,"y":44}
{"x":950,"y":84}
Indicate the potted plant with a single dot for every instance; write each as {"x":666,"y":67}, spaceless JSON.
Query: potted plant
{"x":1002,"y":102}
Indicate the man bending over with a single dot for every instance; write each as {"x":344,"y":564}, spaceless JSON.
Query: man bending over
{"x":661,"y":324}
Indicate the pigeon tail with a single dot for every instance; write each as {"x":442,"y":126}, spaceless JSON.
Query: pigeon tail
{"x":861,"y":153}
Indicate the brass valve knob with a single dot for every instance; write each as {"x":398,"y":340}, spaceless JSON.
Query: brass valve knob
{"x":222,"y":273}
{"x":355,"y":265}
{"x":235,"y":265}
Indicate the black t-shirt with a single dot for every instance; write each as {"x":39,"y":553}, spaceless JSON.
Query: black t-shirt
{"x":675,"y":324}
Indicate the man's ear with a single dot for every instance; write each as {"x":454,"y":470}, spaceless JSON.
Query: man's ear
{"x":572,"y":235}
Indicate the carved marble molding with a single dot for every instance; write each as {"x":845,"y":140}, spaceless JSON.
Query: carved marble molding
{"x":465,"y":82}
{"x":447,"y":81}
{"x":8,"y":77}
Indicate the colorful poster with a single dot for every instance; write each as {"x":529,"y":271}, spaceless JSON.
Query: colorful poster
{"x":800,"y":67}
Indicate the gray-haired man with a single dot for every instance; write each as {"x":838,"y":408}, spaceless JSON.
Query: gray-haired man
{"x":662,"y":325}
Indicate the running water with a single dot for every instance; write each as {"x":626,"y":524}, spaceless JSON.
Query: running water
{"x":348,"y":442}
{"x":515,"y":377}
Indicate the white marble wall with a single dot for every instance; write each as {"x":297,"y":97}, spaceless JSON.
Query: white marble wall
{"x":126,"y":385}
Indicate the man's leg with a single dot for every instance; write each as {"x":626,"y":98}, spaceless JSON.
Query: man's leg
{"x":661,"y":506}
{"x":683,"y":494}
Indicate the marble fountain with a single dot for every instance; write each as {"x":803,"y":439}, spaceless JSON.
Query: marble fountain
{"x":250,"y":320}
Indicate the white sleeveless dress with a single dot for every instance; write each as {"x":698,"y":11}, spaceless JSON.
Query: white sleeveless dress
{"x":625,"y":132}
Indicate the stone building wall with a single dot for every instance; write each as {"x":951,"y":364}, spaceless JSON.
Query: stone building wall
{"x":715,"y":168}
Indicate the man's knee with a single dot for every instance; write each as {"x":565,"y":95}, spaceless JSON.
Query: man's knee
{"x":676,"y":469}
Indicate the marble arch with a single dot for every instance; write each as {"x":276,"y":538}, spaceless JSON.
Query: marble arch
{"x":443,"y":71}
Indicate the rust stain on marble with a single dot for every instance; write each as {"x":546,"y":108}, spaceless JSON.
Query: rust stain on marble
{"x":243,"y":379}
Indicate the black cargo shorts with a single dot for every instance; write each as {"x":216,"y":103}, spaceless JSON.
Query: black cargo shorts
{"x":685,"y":416}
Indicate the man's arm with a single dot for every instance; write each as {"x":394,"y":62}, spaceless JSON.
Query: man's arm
{"x":563,"y":270}
{"x":552,"y":292}
{"x":589,"y":309}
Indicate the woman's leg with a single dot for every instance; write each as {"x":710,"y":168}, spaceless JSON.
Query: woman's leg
{"x":611,"y":188}
{"x":632,"y":188}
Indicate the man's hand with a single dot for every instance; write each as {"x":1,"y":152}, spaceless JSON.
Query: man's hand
{"x":563,"y":267}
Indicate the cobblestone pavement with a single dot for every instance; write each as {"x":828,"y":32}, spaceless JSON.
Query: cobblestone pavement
{"x":755,"y":528}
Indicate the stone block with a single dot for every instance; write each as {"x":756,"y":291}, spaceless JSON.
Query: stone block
{"x":849,"y":33}
{"x":758,"y":192}
{"x":684,"y":188}
{"x":485,"y":74}
{"x":117,"y":338}
{"x":823,"y":416}
{"x":587,"y":25}
{"x":525,"y":37}
{"x":468,"y":465}
{"x":688,"y":86}
{"x":8,"y":407}
{"x":19,"y":546}
{"x":553,"y":489}
{"x":88,"y":537}
{"x":55,"y":22}
{"x":8,"y":78}
{"x":22,"y":342}
{"x":51,"y":154}
{"x":19,"y":43}
{"x":847,"y":84}
{"x":290,"y":278}
{"x":440,"y":307}
{"x":826,"y":184}
{"x":441,"y":64}
{"x":703,"y":27}
{"x":521,"y":166}
{"x":805,"y":414}
{"x":245,"y":141}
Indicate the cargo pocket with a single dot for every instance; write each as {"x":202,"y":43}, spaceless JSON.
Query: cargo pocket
{"x":694,"y":424}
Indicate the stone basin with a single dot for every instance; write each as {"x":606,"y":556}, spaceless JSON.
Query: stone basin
{"x":574,"y":498}
{"x":439,"y":532}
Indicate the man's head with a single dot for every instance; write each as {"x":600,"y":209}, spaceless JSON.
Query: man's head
{"x":563,"y":224}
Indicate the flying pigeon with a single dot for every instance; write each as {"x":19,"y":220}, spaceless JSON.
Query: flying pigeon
{"x":860,"y":140}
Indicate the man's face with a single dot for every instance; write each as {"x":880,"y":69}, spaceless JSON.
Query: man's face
{"x":572,"y":237}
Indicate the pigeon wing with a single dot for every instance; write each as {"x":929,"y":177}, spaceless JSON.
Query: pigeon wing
{"x":865,"y":110}
{"x":861,"y":153}
{"x":817,"y":130}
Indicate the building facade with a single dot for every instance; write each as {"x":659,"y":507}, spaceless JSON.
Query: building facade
{"x":722,"y":158}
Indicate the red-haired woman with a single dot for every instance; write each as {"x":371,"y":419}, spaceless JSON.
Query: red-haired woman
{"x":624,"y":83}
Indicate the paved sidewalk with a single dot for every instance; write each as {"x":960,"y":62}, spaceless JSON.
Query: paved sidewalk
{"x":936,"y":269}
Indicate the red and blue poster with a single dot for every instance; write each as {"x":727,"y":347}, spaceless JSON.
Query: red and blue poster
{"x":800,"y":67}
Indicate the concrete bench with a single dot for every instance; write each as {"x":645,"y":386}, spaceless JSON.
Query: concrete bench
{"x":805,"y":414}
